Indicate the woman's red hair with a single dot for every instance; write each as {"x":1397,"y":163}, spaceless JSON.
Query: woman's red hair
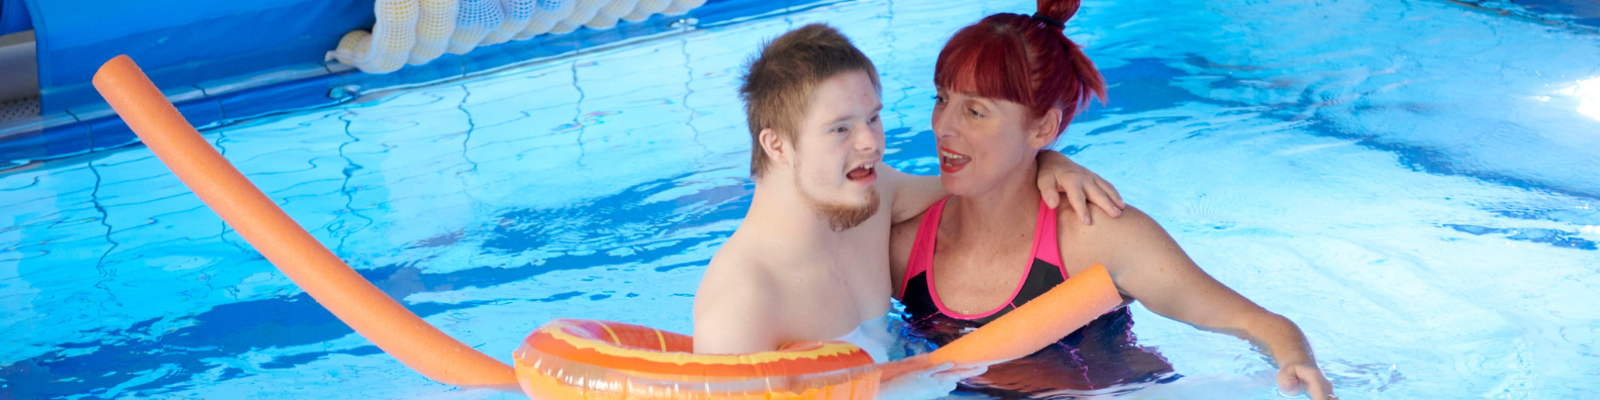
{"x":1024,"y":60}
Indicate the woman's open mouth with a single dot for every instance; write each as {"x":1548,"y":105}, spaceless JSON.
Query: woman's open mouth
{"x":950,"y":162}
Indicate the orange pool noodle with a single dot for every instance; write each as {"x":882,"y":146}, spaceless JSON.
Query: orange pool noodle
{"x":336,"y":286}
{"x":1037,"y":323}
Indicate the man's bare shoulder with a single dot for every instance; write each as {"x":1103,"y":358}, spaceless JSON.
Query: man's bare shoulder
{"x":735,"y":273}
{"x":734,"y":303}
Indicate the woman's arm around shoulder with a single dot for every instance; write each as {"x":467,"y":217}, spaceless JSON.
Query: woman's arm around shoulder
{"x":1058,"y":176}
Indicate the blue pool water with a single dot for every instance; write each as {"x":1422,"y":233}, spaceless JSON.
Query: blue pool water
{"x":1412,"y":182}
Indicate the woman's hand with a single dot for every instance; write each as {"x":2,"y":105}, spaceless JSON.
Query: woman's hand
{"x":1305,"y":377}
{"x":914,"y":379}
{"x":1058,"y":174}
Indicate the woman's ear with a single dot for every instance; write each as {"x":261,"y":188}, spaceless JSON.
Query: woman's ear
{"x":773,"y":144}
{"x":1046,"y":129}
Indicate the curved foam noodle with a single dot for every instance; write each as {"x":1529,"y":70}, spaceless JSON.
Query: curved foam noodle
{"x":607,"y":17}
{"x":584,"y":13}
{"x":476,"y":19}
{"x":518,"y":13}
{"x":344,"y":292}
{"x":645,"y":9}
{"x":434,"y":27}
{"x":1037,"y":323}
{"x":550,"y":12}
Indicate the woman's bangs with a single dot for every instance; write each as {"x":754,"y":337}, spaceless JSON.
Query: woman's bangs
{"x":982,"y":65}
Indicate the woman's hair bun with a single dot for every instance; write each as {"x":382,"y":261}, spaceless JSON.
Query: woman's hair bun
{"x":1060,"y":10}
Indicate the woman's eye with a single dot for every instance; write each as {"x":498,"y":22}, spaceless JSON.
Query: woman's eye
{"x":938,"y":99}
{"x":841,"y":129}
{"x":975,"y":113}
{"x":873,"y":120}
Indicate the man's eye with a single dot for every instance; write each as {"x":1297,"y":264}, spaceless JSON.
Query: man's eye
{"x":872,"y":120}
{"x":841,"y":129}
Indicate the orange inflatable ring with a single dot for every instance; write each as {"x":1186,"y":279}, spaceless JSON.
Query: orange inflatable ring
{"x":587,"y":359}
{"x":565,"y":359}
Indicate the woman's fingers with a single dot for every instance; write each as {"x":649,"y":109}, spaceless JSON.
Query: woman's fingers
{"x":1117,"y":197}
{"x":1288,"y":382}
{"x":1079,"y":203}
{"x":1319,"y":391}
{"x":966,"y":371}
{"x":1049,"y":189}
{"x":1317,"y":386}
{"x":1102,"y":199}
{"x":1296,"y":379}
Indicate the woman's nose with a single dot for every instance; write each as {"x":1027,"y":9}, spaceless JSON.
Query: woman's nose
{"x":943,"y":125}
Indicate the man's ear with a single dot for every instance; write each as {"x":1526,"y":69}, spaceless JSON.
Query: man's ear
{"x":777,"y":149}
{"x":1047,"y":128}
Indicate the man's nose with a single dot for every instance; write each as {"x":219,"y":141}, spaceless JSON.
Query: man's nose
{"x":868,"y":140}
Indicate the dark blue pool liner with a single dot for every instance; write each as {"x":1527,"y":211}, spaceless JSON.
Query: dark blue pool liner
{"x":207,"y":100}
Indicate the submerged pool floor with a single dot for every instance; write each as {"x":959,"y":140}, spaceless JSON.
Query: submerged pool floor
{"x":1412,"y":182}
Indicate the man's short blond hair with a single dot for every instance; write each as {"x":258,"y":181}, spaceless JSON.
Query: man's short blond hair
{"x":778,"y":82}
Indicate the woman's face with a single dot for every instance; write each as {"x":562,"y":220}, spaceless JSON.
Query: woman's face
{"x":984,"y":141}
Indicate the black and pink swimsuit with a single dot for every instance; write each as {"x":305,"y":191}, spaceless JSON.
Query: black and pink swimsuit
{"x":1099,"y":355}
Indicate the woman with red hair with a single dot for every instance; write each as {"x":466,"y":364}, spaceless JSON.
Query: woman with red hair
{"x":1007,"y":87}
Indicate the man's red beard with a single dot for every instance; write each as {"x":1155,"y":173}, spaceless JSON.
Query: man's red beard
{"x":842,"y":217}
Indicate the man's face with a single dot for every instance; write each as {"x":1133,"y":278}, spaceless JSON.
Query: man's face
{"x":838,"y":149}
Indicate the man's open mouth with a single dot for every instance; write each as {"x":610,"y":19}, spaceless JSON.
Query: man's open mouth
{"x":862,"y":173}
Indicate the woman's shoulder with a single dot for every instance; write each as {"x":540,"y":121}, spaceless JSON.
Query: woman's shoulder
{"x":1132,"y":222}
{"x":1108,"y":238}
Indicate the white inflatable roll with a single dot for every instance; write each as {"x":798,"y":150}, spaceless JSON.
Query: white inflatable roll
{"x":419,"y":31}
{"x":681,"y":7}
{"x":476,"y":19}
{"x":550,"y":12}
{"x":609,"y":15}
{"x":645,"y":9}
{"x":389,"y":45}
{"x":584,"y":13}
{"x":434,"y":27}
{"x":517,"y":15}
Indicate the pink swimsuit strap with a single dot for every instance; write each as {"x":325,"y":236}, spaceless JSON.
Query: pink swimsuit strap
{"x":1046,"y":248}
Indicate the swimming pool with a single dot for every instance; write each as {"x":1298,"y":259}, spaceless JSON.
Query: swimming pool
{"x":1412,"y":182}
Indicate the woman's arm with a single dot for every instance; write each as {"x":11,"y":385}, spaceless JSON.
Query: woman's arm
{"x":1057,"y":175}
{"x":909,"y":194}
{"x":1147,"y":265}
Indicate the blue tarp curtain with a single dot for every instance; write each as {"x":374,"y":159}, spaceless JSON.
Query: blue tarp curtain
{"x":14,"y":17}
{"x":180,"y":43}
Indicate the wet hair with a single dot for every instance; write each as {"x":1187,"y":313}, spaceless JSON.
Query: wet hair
{"x":1023,"y":59}
{"x":779,"y":81}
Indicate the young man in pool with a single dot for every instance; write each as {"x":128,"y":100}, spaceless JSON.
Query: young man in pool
{"x":810,"y":261}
